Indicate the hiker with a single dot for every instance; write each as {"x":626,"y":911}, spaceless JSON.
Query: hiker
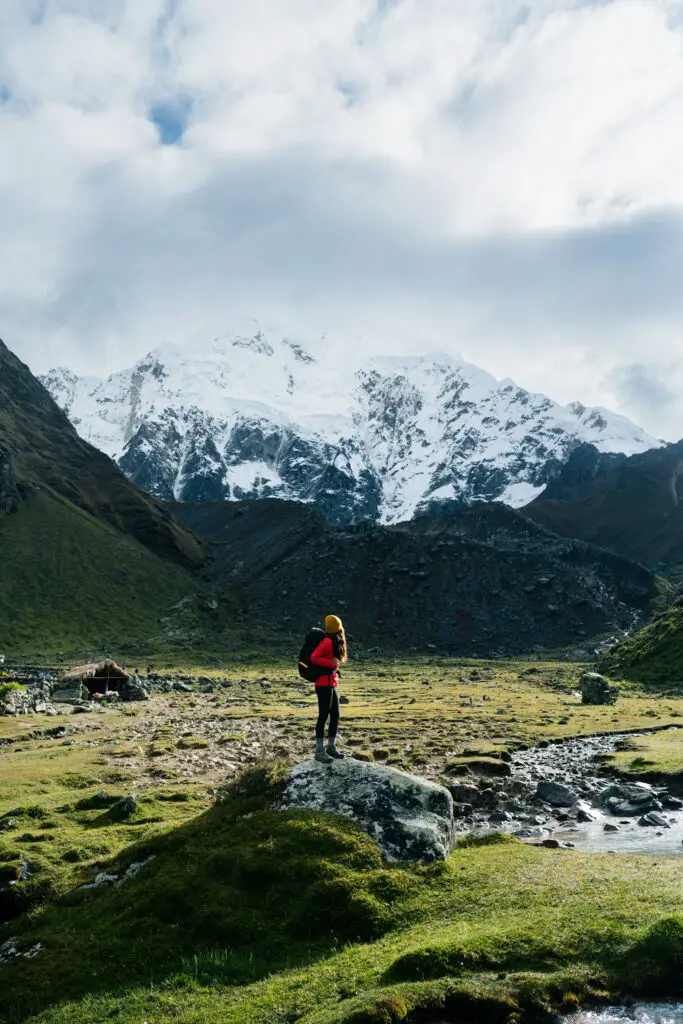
{"x":322,"y":654}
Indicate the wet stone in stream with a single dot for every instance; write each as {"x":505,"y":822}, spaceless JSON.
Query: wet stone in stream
{"x":561,"y":791}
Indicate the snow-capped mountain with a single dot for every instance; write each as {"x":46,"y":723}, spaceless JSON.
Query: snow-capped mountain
{"x":257,"y":415}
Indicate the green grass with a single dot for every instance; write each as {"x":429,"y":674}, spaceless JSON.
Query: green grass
{"x":252,"y":915}
{"x":264,"y":917}
{"x":654,"y":655}
{"x":70,"y":580}
{"x":657,"y":757}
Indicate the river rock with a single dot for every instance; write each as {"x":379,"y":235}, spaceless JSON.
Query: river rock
{"x":610,"y":827}
{"x":462,"y":792}
{"x":654,"y":819}
{"x":555,"y":794}
{"x":409,"y":817}
{"x":672,"y":803}
{"x":595,"y":689}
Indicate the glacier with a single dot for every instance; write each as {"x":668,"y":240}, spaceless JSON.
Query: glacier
{"x":254,"y":413}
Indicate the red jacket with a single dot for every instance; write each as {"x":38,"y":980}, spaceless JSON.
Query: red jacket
{"x":323,"y":656}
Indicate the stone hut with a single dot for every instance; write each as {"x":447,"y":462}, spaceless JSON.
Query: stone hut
{"x":97,"y":677}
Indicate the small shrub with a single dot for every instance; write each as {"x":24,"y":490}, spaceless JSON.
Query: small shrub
{"x":7,"y":688}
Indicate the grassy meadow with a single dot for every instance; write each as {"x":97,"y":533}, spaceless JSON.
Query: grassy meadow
{"x":251,"y":915}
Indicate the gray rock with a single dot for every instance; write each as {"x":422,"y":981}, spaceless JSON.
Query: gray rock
{"x":555,"y":794}
{"x":653,"y":819}
{"x":124,"y":808}
{"x":672,"y":803}
{"x":630,"y":810}
{"x":595,"y":689}
{"x":182,"y":688}
{"x":409,"y":817}
{"x":610,"y":827}
{"x":134,"y":689}
{"x":463,"y":792}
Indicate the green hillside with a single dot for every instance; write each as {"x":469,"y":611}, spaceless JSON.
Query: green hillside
{"x":68,"y":579}
{"x":653,"y":656}
{"x":86,"y":558}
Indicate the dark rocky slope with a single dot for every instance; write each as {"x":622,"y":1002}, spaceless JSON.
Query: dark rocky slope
{"x":631,"y":505}
{"x":475,"y":581}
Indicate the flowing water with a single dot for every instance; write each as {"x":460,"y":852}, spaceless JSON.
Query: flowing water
{"x":574,"y":764}
{"x":645,"y":1013}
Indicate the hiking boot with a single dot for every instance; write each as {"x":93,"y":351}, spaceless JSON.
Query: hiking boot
{"x":333,"y":752}
{"x":321,"y":754}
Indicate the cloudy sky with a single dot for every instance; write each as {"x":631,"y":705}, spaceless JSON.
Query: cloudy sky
{"x":499,"y":179}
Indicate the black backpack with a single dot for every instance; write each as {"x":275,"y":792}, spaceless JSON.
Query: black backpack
{"x":307,"y":671}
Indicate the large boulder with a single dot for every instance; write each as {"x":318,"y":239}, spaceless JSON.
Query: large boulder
{"x":595,"y":689}
{"x":410,"y":818}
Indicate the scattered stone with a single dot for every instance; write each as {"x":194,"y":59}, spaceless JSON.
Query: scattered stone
{"x":672,"y":803}
{"x":551,"y":844}
{"x":410,"y":818}
{"x":609,"y":826}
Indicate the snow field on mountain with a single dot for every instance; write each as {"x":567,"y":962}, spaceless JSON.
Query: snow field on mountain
{"x":256,"y":414}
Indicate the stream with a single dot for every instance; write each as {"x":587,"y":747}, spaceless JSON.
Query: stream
{"x":573,"y":764}
{"x":561,"y":795}
{"x":645,"y":1013}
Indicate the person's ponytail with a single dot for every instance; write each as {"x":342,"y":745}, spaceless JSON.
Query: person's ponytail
{"x":339,"y":645}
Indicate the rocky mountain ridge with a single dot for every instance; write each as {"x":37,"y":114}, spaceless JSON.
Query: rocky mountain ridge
{"x":630,"y":505}
{"x":473,"y":581}
{"x":255,"y":414}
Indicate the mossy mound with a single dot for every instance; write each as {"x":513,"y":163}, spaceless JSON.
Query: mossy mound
{"x":654,"y":655}
{"x":246,"y":914}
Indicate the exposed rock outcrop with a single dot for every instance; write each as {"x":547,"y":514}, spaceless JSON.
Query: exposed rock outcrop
{"x":410,"y":818}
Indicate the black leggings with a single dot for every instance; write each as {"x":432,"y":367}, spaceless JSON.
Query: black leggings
{"x":328,"y":706}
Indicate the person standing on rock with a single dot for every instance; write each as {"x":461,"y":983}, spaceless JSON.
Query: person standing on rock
{"x":327,"y":657}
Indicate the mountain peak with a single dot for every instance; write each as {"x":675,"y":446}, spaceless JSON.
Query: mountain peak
{"x":252,"y":413}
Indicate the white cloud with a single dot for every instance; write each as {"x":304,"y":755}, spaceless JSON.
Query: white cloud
{"x":503,"y":179}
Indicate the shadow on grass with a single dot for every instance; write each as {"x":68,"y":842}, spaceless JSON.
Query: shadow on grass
{"x":239,"y":892}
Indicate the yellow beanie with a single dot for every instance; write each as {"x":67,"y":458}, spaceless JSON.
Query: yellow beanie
{"x":333,"y":624}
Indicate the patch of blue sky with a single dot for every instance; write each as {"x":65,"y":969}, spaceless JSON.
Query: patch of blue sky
{"x":171,"y":119}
